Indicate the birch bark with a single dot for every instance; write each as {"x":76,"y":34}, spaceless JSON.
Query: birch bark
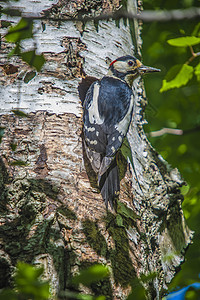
{"x":50,"y":214}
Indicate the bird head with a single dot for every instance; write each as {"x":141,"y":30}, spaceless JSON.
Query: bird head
{"x":128,"y":68}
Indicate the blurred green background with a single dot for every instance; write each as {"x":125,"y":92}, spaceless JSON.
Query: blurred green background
{"x":178,"y":108}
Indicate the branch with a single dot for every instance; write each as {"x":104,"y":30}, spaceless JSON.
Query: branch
{"x":194,"y":55}
{"x":146,"y":16}
{"x":173,"y":131}
{"x":164,"y":131}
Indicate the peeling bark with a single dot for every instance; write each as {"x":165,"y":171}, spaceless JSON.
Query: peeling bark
{"x":50,"y":213}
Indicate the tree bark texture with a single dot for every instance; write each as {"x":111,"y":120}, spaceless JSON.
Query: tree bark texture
{"x":50,"y":212}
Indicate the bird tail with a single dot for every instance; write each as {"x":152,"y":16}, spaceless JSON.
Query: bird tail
{"x":109,"y":184}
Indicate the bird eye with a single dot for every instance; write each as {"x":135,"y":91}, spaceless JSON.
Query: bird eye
{"x":130,"y":63}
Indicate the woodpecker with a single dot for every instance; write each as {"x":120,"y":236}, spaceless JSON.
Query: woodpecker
{"x":107,"y":113}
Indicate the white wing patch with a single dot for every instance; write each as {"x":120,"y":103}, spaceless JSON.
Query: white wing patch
{"x":92,"y":142}
{"x":124,"y":123}
{"x":89,"y":129}
{"x":93,"y":110}
{"x":120,"y":139}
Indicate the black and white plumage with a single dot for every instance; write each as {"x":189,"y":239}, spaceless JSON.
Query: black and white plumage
{"x":108,"y":108}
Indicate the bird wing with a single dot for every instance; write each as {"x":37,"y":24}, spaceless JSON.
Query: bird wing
{"x":107,"y":114}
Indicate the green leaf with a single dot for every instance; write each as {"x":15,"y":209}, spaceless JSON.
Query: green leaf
{"x":184,"y":41}
{"x":21,"y":31}
{"x":29,"y":76}
{"x":33,"y":59}
{"x":171,"y":74}
{"x":27,"y":280}
{"x":137,"y":290}
{"x":181,"y":74}
{"x":19,"y":113}
{"x":92,"y":274}
{"x":150,"y":276}
{"x":28,"y":284}
{"x":85,"y":297}
{"x":26,"y":272}
{"x":126,"y":150}
{"x":197,"y":71}
{"x":14,"y":51}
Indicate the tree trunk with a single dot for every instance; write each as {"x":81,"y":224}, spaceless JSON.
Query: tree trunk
{"x":51,"y":213}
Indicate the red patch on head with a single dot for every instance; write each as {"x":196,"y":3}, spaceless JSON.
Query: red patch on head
{"x":113,"y":62}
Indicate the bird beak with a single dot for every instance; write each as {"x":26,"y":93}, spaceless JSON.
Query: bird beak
{"x":144,"y":69}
